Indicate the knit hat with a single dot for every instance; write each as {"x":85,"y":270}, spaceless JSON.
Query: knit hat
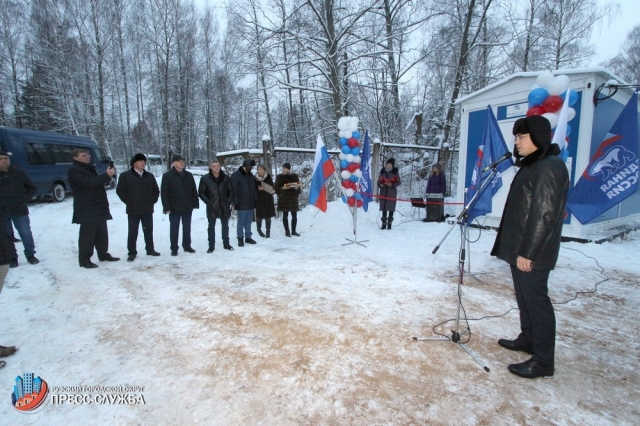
{"x":392,"y":161}
{"x":538,"y":128}
{"x":138,"y":157}
{"x":5,"y":154}
{"x":177,"y":157}
{"x":286,"y":166}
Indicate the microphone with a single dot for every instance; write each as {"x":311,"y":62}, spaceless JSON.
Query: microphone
{"x":506,"y":156}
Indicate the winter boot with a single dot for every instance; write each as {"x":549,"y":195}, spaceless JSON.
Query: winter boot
{"x":384,"y":223}
{"x":240,"y":242}
{"x":390,"y":220}
{"x":285,"y":222}
{"x":259,"y":226}
{"x":294,"y":223}
{"x":268,"y":228}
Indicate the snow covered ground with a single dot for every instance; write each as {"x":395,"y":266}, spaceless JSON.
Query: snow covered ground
{"x":309,"y":331}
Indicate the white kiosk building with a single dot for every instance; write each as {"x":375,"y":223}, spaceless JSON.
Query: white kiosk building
{"x":509,"y":101}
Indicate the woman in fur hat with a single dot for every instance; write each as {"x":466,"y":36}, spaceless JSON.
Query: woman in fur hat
{"x":388,"y":182}
{"x":265,"y":208}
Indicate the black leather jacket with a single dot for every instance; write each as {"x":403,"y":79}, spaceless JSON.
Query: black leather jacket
{"x":531,"y":224}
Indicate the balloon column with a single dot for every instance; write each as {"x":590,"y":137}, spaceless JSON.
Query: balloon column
{"x":547,"y":96}
{"x":350,"y":160}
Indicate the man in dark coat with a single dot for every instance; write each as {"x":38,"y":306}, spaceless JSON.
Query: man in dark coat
{"x":138,"y":190}
{"x":179,"y":198}
{"x":90,"y":208}
{"x":529,"y":241}
{"x":288,"y":189}
{"x":7,"y":249}
{"x":16,"y":190}
{"x":388,"y":182}
{"x":245,"y":196}
{"x":217,"y":194}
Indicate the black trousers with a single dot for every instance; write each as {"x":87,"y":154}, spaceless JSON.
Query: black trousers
{"x":174,"y":229}
{"x":294,"y":220}
{"x":92,"y":235}
{"x":147,"y":230}
{"x":537,"y":319}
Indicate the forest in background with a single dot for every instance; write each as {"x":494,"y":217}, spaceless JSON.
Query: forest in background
{"x":174,"y":76}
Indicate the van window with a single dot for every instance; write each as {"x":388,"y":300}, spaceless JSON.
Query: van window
{"x":100,"y":156}
{"x":62,"y":153}
{"x":38,"y":154}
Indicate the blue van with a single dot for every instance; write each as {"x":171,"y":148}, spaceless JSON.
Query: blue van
{"x":46,"y":157}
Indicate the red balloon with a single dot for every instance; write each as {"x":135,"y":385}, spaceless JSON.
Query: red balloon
{"x":359,"y":203}
{"x":346,"y":184}
{"x":536,"y":110}
{"x":354,"y":185}
{"x":552,"y":103}
{"x":353,"y":142}
{"x":351,"y":201}
{"x":353,"y":167}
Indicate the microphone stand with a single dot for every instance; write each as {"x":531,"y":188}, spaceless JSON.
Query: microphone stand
{"x":463,"y":221}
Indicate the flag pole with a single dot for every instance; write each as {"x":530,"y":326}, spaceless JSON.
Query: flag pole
{"x":354,"y":219}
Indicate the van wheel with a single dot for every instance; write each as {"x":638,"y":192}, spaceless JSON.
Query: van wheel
{"x":58,"y":193}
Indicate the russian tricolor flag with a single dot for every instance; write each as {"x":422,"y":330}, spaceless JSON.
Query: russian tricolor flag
{"x":322,"y":169}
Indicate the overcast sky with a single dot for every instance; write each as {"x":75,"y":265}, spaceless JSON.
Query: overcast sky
{"x":611,"y":35}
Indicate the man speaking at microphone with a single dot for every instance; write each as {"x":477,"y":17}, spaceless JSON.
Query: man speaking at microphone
{"x":529,"y":240}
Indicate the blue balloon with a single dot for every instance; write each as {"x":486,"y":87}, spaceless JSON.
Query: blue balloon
{"x":573,"y":97}
{"x":346,"y":149}
{"x":358,"y":196}
{"x":344,"y":164}
{"x":568,"y":126}
{"x":343,"y":141}
{"x":356,"y":135}
{"x":537,"y":96}
{"x":344,"y":198}
{"x":354,"y":178}
{"x":355,"y":151}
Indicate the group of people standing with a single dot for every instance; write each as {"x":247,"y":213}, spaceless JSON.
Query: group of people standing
{"x":388,"y":182}
{"x":138,"y":189}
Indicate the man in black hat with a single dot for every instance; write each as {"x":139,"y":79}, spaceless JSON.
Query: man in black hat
{"x":138,"y":190}
{"x":529,"y":241}
{"x":90,"y":208}
{"x":16,"y":190}
{"x":245,"y":195}
{"x":179,"y":198}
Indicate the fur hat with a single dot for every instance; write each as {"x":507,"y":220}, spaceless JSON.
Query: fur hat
{"x":286,"y":166}
{"x":138,"y":157}
{"x":177,"y":157}
{"x":392,"y":161}
{"x":538,"y":128}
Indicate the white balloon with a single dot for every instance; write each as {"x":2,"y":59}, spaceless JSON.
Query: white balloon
{"x":349,"y":192}
{"x":545,"y":79}
{"x":342,"y":156}
{"x":354,"y":124}
{"x":343,"y":123}
{"x":357,"y":159}
{"x":345,"y":174}
{"x":349,"y":158}
{"x":552,"y":117}
{"x":357,"y":173}
{"x":571,"y":113}
{"x":559,"y":85}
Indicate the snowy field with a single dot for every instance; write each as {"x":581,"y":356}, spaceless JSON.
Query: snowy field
{"x":308,"y":331}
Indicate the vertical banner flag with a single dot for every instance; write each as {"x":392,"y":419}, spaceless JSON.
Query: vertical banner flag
{"x":492,"y":148}
{"x":322,"y":169}
{"x":560,"y":134}
{"x":365,"y":180}
{"x":612,"y":173}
